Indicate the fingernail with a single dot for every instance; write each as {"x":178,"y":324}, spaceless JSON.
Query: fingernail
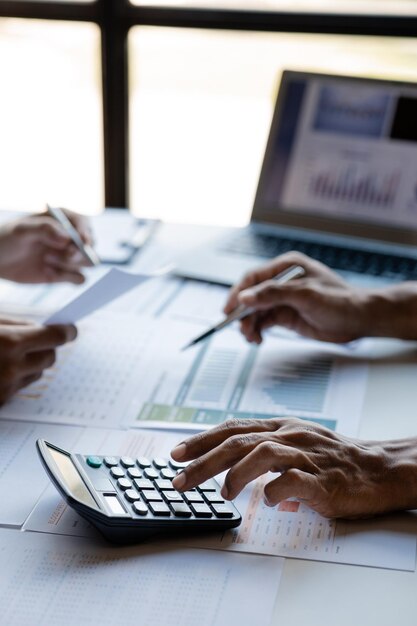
{"x":179,"y":481}
{"x":224,"y":492}
{"x":267,"y":502}
{"x":179,"y":451}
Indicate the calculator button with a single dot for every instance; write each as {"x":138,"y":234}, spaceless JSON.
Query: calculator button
{"x":133,"y":472}
{"x":140,"y":508}
{"x":160,"y":463}
{"x":193,"y":496}
{"x":176,"y":465}
{"x":126,"y":461}
{"x":213,"y":498}
{"x":167,"y":473}
{"x":117,"y":472}
{"x":209,"y":485}
{"x":151,"y":473}
{"x":94,"y":461}
{"x":159,"y":508}
{"x":124,"y":484}
{"x":201,"y":510}
{"x":172,"y":496}
{"x":131,"y":495}
{"x":111,"y":461}
{"x":222,"y":510}
{"x":152,"y":496}
{"x":142,"y":484}
{"x":164,"y":485}
{"x":143,"y":462}
{"x":180,"y":510}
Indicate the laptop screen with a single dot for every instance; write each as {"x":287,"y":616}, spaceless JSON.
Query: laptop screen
{"x":342,"y":155}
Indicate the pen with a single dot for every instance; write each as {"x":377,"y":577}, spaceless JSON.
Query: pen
{"x":295,"y":271}
{"x":86,"y":250}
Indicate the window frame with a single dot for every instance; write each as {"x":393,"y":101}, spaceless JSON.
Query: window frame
{"x":116,"y":17}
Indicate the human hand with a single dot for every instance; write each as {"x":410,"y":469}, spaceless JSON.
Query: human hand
{"x":320,"y":305}
{"x":332,"y":474}
{"x":26,"y":350}
{"x":37,"y":249}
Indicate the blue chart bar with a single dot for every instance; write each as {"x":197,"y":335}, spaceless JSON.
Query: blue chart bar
{"x":299,"y":386}
{"x":210,"y":383}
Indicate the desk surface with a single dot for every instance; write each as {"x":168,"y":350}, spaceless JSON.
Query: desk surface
{"x":317,"y":593}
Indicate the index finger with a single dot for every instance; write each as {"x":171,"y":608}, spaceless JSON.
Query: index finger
{"x":264,"y":273}
{"x":47,"y":337}
{"x":204,"y":442}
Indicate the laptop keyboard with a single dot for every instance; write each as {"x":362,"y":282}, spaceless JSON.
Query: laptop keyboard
{"x":347,"y":259}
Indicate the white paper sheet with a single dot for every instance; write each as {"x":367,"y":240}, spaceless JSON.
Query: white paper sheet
{"x":112,"y":285}
{"x":52,"y":515}
{"x":94,"y":378}
{"x":48,"y":580}
{"x":290,"y":530}
{"x":293,"y":530}
{"x":130,"y":370}
{"x":22,"y":477}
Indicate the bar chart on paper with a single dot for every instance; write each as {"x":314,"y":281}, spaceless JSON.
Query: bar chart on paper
{"x":229,"y":378}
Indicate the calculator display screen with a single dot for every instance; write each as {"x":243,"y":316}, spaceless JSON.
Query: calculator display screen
{"x":72,"y":479}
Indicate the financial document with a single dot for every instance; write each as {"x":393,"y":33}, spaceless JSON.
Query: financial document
{"x":226,"y":377}
{"x":130,"y":370}
{"x":291,"y":529}
{"x":109,"y":287}
{"x":22,"y":477}
{"x":52,"y":515}
{"x":72,"y":581}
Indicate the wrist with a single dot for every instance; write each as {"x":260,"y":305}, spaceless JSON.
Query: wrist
{"x":390,"y":311}
{"x":398,"y":481}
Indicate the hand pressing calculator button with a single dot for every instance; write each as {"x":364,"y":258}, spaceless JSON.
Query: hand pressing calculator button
{"x":130,"y":500}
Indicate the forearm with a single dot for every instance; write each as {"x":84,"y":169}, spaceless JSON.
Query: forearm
{"x":391,"y":311}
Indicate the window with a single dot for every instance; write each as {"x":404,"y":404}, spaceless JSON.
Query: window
{"x":164,"y":105}
{"x":50,"y":115}
{"x":201,"y":103}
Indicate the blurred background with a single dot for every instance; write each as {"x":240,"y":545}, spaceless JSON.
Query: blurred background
{"x":165,"y":107}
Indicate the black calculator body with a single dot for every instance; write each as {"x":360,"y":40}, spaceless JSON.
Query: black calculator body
{"x":129,"y":500}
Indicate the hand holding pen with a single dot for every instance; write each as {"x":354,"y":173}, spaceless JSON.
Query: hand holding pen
{"x":77,"y":233}
{"x":239,"y":309}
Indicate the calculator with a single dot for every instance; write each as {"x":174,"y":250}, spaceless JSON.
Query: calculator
{"x":130,"y":499}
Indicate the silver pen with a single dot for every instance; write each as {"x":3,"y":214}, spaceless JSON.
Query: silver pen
{"x":295,"y":271}
{"x":86,"y":250}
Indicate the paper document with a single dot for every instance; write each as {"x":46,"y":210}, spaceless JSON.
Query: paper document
{"x":129,"y":370}
{"x":62,"y":580}
{"x":291,"y":529}
{"x":22,"y":477}
{"x":53,"y":515}
{"x":113,"y":284}
{"x":227,"y":377}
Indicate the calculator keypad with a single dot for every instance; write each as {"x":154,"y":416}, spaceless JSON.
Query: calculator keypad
{"x":145,"y":487}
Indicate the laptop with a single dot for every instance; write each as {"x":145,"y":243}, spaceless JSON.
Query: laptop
{"x":338,"y":182}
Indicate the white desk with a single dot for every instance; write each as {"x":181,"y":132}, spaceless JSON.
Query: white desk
{"x":314,"y":593}
{"x":318,"y":594}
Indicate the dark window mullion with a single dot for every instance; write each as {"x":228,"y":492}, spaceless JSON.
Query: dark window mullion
{"x":273,"y":21}
{"x":72,"y":11}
